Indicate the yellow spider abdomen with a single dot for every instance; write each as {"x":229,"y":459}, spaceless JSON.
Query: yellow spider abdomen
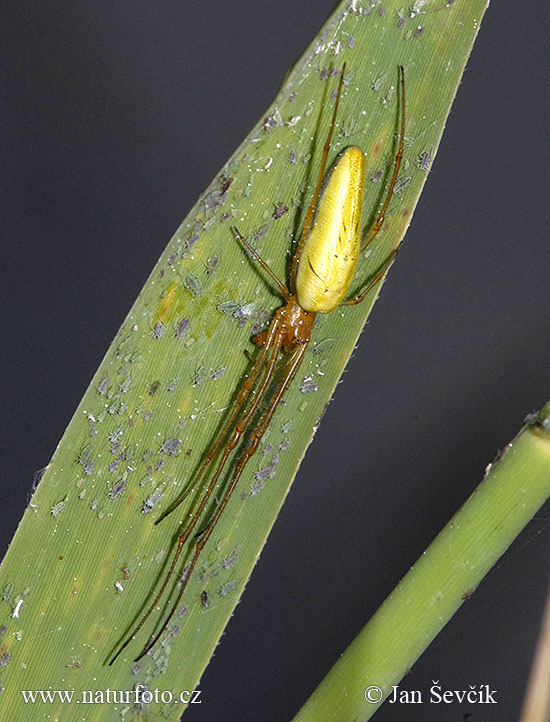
{"x":330,"y":252}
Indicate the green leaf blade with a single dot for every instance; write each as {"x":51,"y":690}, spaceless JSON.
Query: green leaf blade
{"x":87,"y":549}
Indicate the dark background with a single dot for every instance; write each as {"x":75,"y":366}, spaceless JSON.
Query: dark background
{"x":114,"y":117}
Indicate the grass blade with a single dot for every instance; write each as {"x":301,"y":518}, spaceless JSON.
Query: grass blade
{"x":86,"y":555}
{"x":516,"y":485}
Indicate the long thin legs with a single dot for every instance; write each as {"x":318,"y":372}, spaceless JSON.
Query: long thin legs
{"x":372,"y":283}
{"x":281,"y":286}
{"x":397,"y":163}
{"x":181,"y":542}
{"x":242,"y":396}
{"x":256,"y":437}
{"x":308,"y":219}
{"x":284,"y":332}
{"x":381,"y":216}
{"x":266,"y":361}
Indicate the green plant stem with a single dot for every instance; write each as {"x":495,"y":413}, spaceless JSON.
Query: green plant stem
{"x":514,"y":488}
{"x":88,"y":557}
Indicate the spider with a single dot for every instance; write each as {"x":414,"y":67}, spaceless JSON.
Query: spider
{"x":322,"y":270}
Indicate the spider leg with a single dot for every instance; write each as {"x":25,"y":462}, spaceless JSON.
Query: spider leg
{"x":246,"y":388}
{"x":160,"y":592}
{"x":272,"y":347}
{"x":281,"y":286}
{"x":257,"y":434}
{"x":372,"y":282}
{"x":239,"y":429}
{"x":398,"y":156}
{"x":308,"y":219}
